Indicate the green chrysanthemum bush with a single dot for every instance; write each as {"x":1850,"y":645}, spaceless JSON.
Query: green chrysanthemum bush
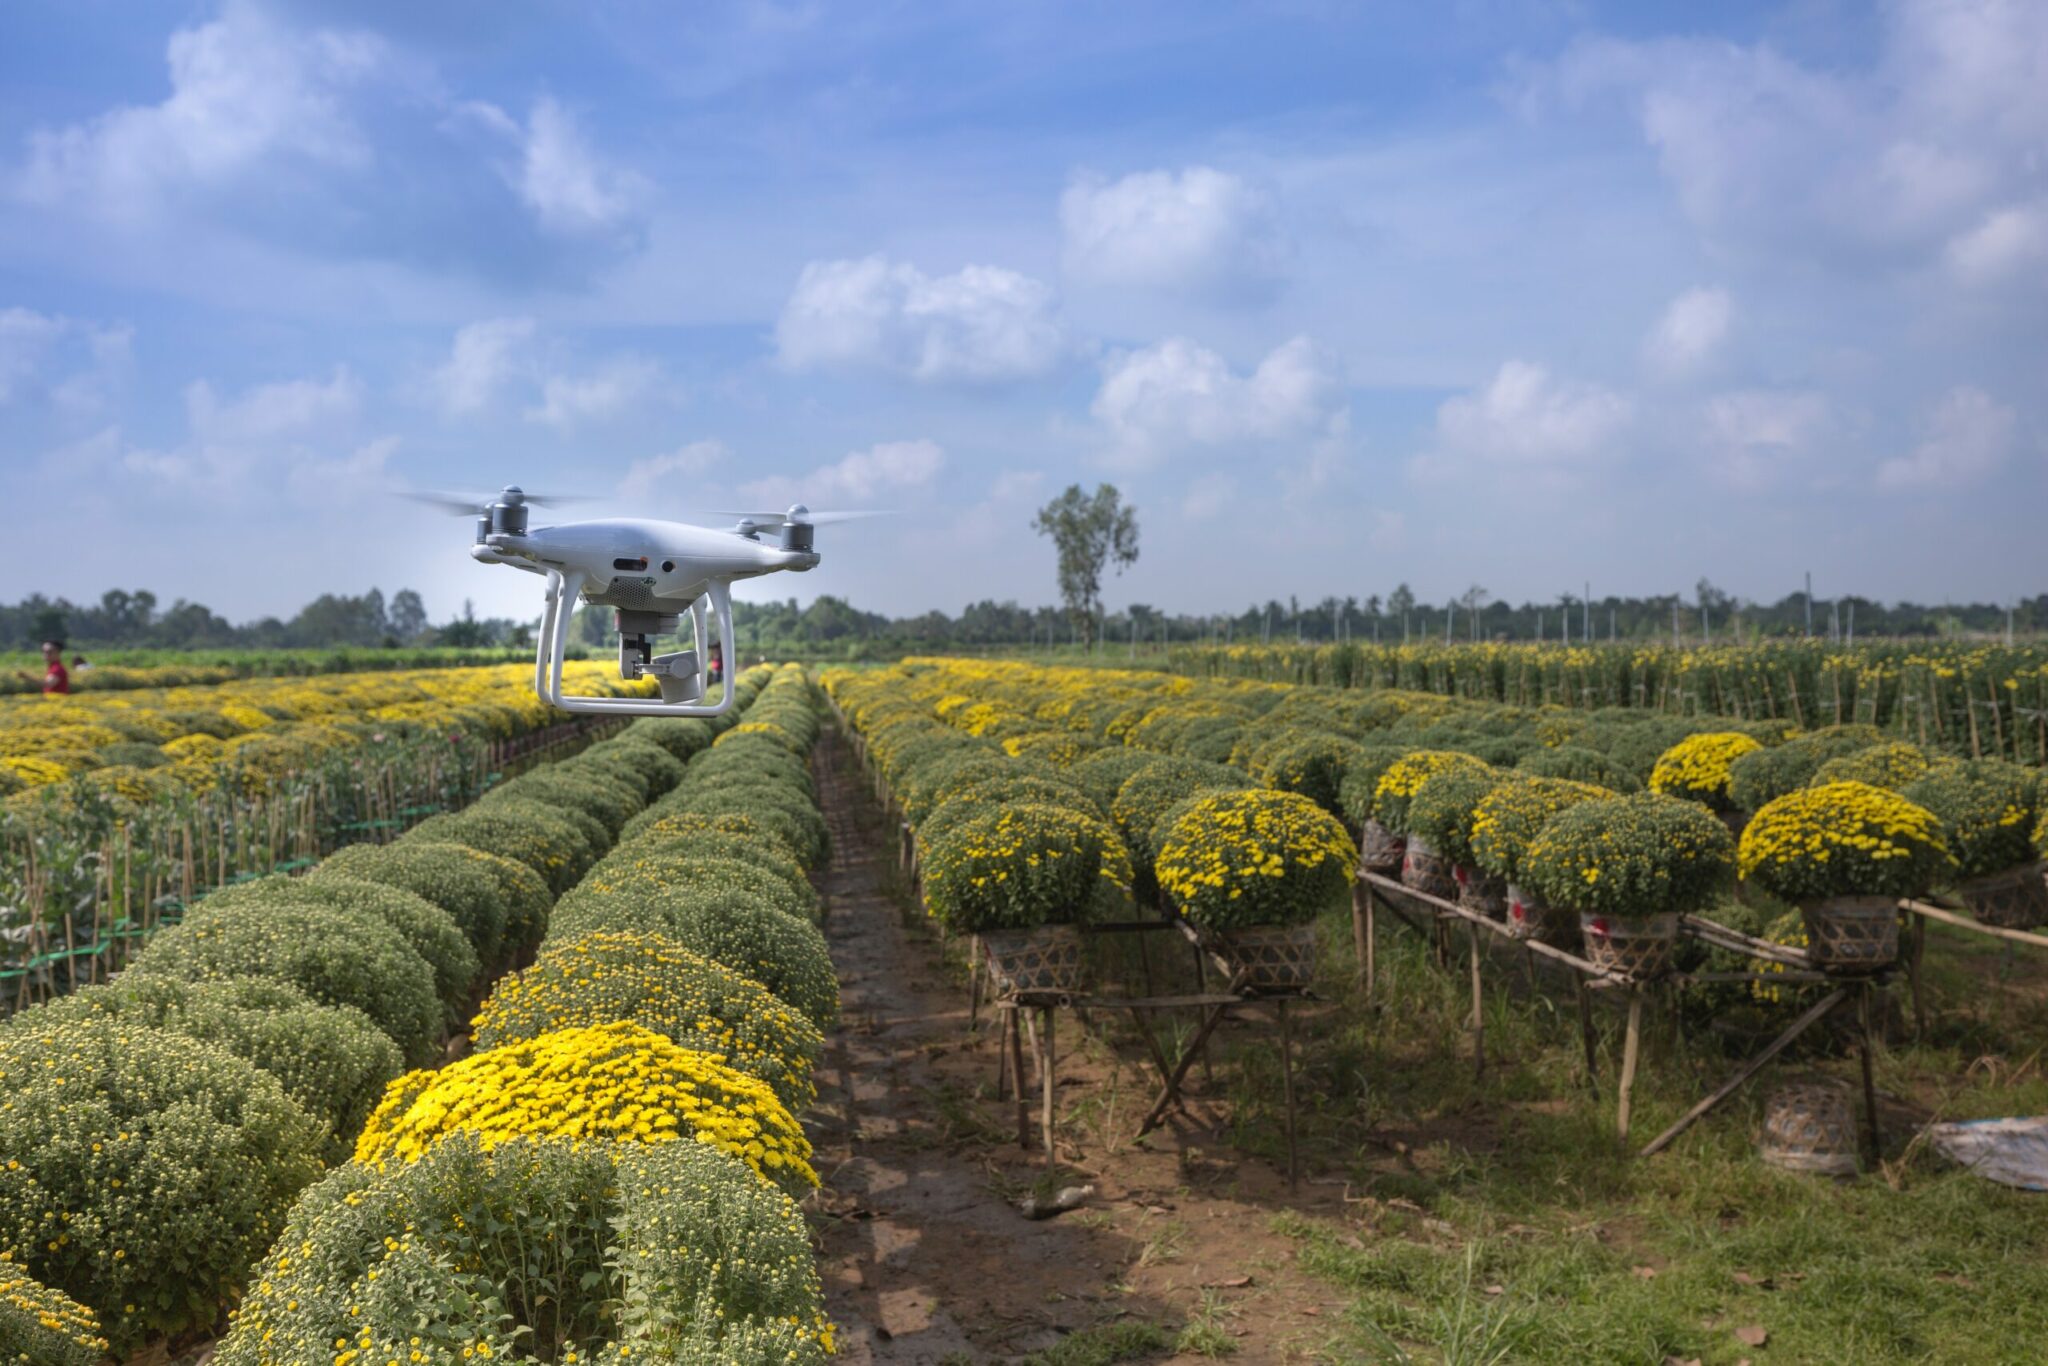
{"x":1394,"y":794}
{"x":1891,"y":766}
{"x":1360,"y":788}
{"x":1143,"y":803}
{"x":539,"y":1249}
{"x":652,"y":981}
{"x":341,"y":958}
{"x":1578,"y":764}
{"x":1631,"y":857}
{"x":1697,"y":767}
{"x":1764,"y":775}
{"x":1236,"y":859}
{"x":1061,"y":749}
{"x":1021,"y":866}
{"x":683,"y":737}
{"x":745,"y":933}
{"x":556,"y":848}
{"x":1508,"y":819}
{"x":1987,"y":809}
{"x":684,"y":868}
{"x":143,"y":1171}
{"x":932,"y":784}
{"x":44,"y":1327}
{"x":980,"y":797}
{"x":1313,"y":765}
{"x":1102,"y":774}
{"x":791,"y":816}
{"x":614,"y":1081}
{"x":564,"y":787}
{"x":1843,"y":839}
{"x":685,"y":826}
{"x":332,"y":1060}
{"x":635,"y":756}
{"x":1445,"y":807}
{"x":430,"y":931}
{"x":458,"y":879}
{"x":650,"y":859}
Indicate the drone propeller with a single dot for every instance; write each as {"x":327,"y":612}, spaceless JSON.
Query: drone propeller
{"x":800,"y":516}
{"x":470,"y":504}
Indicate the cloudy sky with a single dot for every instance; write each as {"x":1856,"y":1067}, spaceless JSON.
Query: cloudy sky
{"x":1520,"y":294}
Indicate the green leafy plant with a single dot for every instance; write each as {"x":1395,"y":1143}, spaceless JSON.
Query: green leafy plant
{"x":1445,"y":806}
{"x":1020,"y":866}
{"x":1510,"y":816}
{"x":1630,"y":857}
{"x":1697,"y":768}
{"x":1395,"y":792}
{"x":1987,"y":809}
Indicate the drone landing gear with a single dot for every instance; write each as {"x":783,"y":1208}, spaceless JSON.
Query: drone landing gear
{"x":680,"y":675}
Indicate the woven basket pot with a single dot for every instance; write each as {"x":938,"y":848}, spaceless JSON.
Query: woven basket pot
{"x":1272,"y":957}
{"x":1487,"y":896}
{"x":1851,"y":933}
{"x":1043,"y":958}
{"x":1529,"y":918}
{"x":1428,"y":872}
{"x":1380,"y":850}
{"x":2016,"y":899}
{"x":1809,"y":1127}
{"x":1637,"y":947}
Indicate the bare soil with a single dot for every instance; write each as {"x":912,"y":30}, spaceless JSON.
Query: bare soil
{"x":925,"y":1254}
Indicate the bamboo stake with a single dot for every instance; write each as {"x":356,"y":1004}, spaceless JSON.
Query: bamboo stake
{"x":1630,"y":1051}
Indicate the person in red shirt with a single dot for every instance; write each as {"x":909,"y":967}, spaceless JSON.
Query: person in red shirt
{"x":58,"y":678}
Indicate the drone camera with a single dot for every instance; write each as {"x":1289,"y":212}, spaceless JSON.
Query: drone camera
{"x":630,"y":563}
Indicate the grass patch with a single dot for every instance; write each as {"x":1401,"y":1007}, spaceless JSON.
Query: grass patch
{"x":1125,"y":1340}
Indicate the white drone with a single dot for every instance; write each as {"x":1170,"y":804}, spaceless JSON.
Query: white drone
{"x":652,"y":573}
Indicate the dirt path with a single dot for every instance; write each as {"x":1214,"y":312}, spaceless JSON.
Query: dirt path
{"x":925,"y":1257}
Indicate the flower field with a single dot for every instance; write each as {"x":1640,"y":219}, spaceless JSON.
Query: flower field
{"x":610,"y":1175}
{"x":1981,"y":700}
{"x":1237,"y":801}
{"x":117,"y":809}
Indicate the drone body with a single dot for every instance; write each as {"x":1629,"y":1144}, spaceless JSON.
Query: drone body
{"x":653,"y":574}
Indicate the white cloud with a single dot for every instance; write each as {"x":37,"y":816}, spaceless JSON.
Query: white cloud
{"x":1389,"y":532}
{"x":244,"y":90}
{"x":981,"y":324}
{"x":268,"y":412}
{"x":1524,"y":421}
{"x":569,"y":187}
{"x":1757,"y":437}
{"x":885,"y":468}
{"x":71,"y":362}
{"x":1200,"y":230}
{"x":671,"y":473}
{"x":1690,"y":332}
{"x":1178,"y":394}
{"x":2008,"y":242}
{"x":567,"y":400}
{"x":1011,"y":485}
{"x":486,"y":354}
{"x":1889,"y":161}
{"x":352,"y":477}
{"x":1208,"y":497}
{"x":1969,"y":435}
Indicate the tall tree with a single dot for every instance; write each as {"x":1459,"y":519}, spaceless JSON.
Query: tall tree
{"x":1400,"y":603}
{"x":1090,"y":532}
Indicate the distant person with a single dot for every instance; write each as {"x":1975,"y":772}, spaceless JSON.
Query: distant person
{"x":56,"y":679}
{"x":80,"y":664}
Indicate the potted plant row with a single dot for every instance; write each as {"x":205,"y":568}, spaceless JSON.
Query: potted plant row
{"x":1504,"y":824}
{"x":1423,"y":866}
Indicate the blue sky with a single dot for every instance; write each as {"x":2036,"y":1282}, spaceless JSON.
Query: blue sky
{"x":1516,"y":294}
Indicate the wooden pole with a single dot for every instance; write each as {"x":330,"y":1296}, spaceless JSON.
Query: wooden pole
{"x":1478,"y":1004}
{"x":1630,"y":1051}
{"x":1287,"y":1089}
{"x":1585,"y":1000}
{"x":1875,"y":1137}
{"x":1045,"y":1081}
{"x":1747,"y":1070}
{"x":1017,"y":1075}
{"x":1360,"y":895}
{"x":1914,"y":953}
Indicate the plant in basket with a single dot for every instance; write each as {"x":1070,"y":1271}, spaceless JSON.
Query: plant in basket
{"x":1630,"y":866}
{"x":1379,"y":849}
{"x":1441,"y":815}
{"x":1022,"y":877}
{"x":1844,"y":853}
{"x":1698,"y":768}
{"x":1504,"y":824}
{"x":1987,"y":809}
{"x":1256,"y":868}
{"x":1422,"y":866}
{"x":1892,"y":765}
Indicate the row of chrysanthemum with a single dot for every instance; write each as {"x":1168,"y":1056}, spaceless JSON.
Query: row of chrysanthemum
{"x":156,"y":1157}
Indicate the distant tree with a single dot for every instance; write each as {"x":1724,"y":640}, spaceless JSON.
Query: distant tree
{"x":1089,"y":532}
{"x":408,"y":616}
{"x":46,"y":624}
{"x":1400,"y":603}
{"x":466,"y":631}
